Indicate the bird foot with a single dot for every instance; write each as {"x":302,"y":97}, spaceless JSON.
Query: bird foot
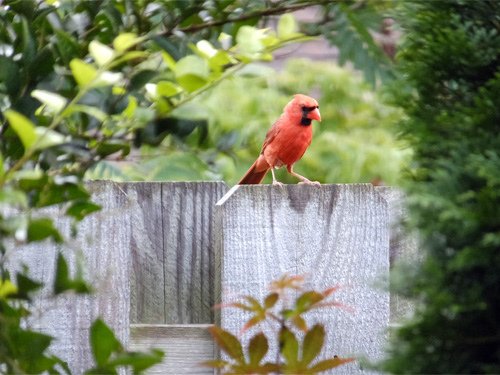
{"x":308,"y":182}
{"x":277,"y":183}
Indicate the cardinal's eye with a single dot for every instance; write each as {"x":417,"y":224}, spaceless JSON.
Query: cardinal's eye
{"x":309,"y":109}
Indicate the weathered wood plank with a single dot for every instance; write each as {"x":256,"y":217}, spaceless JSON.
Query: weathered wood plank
{"x":102,"y":246}
{"x":188,"y":215}
{"x":335,"y":234}
{"x":185,"y":347}
{"x":403,"y":248}
{"x":147,"y":304}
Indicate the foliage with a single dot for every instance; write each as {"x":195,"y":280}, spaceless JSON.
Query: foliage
{"x":355,"y":142}
{"x":352,"y":26}
{"x":109,"y":354}
{"x":296,"y":356}
{"x":450,"y":60}
{"x":79,"y":82}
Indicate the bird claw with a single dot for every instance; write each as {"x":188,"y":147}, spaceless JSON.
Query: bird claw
{"x":308,"y":182}
{"x":277,"y":183}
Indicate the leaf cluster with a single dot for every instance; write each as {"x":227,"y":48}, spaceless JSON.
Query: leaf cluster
{"x":299,"y":345}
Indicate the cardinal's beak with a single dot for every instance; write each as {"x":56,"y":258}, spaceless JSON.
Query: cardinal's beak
{"x":315,"y":115}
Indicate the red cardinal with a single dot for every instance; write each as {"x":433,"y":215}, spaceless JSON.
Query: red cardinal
{"x":286,"y":141}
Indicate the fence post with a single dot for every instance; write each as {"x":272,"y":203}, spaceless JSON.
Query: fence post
{"x":334,"y":234}
{"x":101,"y":246}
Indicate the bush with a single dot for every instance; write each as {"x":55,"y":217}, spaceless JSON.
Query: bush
{"x":450,"y":59}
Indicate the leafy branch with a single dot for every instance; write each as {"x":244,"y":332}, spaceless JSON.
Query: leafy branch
{"x":248,"y":16}
{"x":294,"y":356}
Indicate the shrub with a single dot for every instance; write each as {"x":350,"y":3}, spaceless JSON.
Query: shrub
{"x":450,"y":59}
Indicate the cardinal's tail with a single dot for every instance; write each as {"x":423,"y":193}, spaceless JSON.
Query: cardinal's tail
{"x":254,"y":175}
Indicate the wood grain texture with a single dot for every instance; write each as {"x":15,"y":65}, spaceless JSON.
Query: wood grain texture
{"x":147,"y":304}
{"x":172,"y":278}
{"x":188,"y":216}
{"x":102,"y":248}
{"x":185,"y":347}
{"x":334,"y":234}
{"x":403,"y":248}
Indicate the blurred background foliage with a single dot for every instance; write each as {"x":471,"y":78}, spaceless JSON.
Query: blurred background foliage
{"x":355,"y":142}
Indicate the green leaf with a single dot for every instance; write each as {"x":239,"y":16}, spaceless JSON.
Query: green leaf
{"x":138,"y":361}
{"x":131,"y":107}
{"x":192,"y":72}
{"x":257,"y":348}
{"x":101,"y":53}
{"x":13,"y":197}
{"x":25,"y":286}
{"x":89,"y":110}
{"x":103,"y":342}
{"x":125,"y":40}
{"x":40,"y":229}
{"x":109,"y":78}
{"x":63,"y":282}
{"x":48,"y":138}
{"x":7,"y":288}
{"x":23,"y":127}
{"x":287,"y":26}
{"x":167,"y":88}
{"x":52,"y":100}
{"x":107,"y":148}
{"x":249,"y":40}
{"x":313,"y":343}
{"x":289,"y":346}
{"x":206,"y":49}
{"x":169,"y":60}
{"x":84,"y":73}
{"x":9,"y":76}
{"x":228,"y":343}
{"x":61,"y":190}
{"x":32,"y":348}
{"x":80,"y":209}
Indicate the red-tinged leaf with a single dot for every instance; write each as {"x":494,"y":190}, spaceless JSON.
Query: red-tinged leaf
{"x":269,"y":368}
{"x":330,"y":291}
{"x":257,"y":348}
{"x":334,"y":304}
{"x":287,"y":282}
{"x":289,"y":346}
{"x":313,"y":343}
{"x":271,"y":300}
{"x":228,"y":343}
{"x":254,"y":303}
{"x":237,"y":305}
{"x":216,"y":363}
{"x":328,"y":364}
{"x":240,"y":305}
{"x":307,"y":300}
{"x":252,"y":322}
{"x":300,"y":323}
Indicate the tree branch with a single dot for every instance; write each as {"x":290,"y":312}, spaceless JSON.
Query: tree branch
{"x":257,"y":14}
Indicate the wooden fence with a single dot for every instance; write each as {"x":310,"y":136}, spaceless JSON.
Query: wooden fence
{"x":160,"y":255}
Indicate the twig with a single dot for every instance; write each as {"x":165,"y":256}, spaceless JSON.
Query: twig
{"x":257,"y":14}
